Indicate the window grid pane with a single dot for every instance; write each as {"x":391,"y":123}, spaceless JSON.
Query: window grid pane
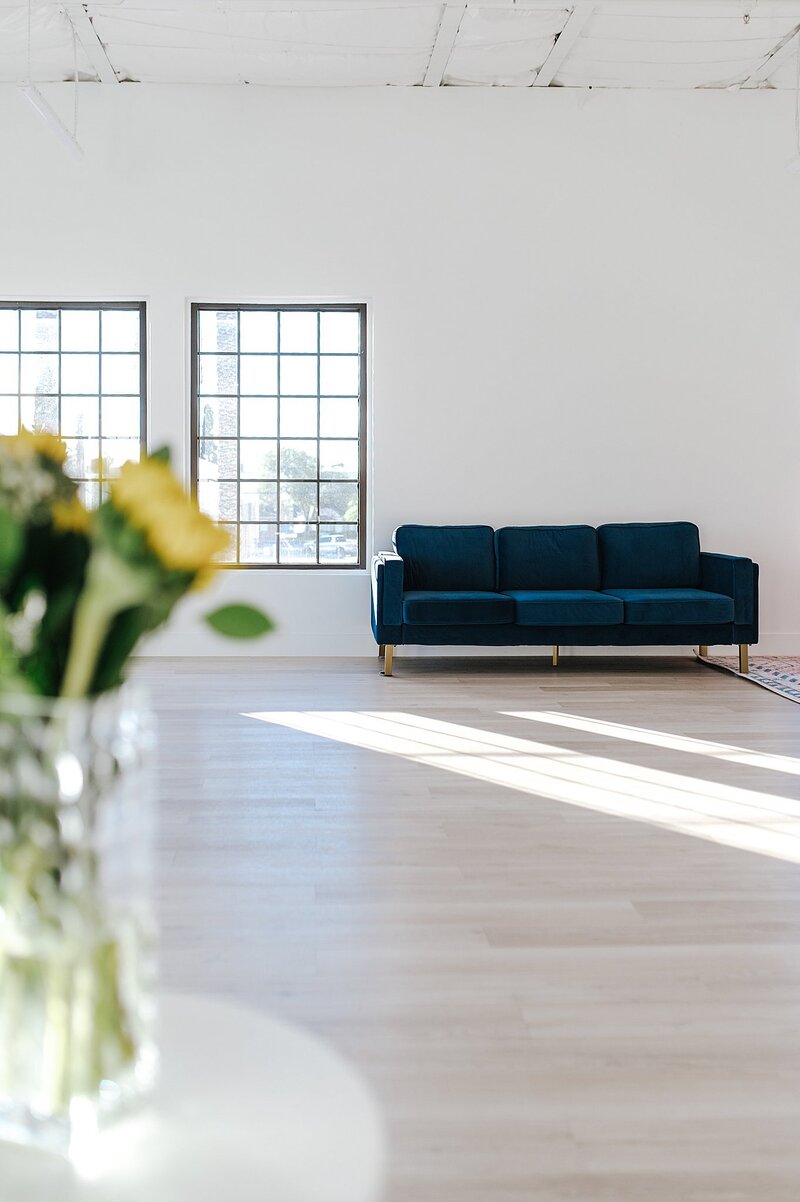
{"x":294,"y":450}
{"x":54,"y":355}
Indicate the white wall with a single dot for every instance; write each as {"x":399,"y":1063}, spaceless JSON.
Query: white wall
{"x":584,"y":308}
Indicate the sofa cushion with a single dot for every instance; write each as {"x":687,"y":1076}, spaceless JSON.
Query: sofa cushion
{"x":547,"y":557}
{"x":643,"y":555}
{"x":457,"y":558}
{"x":425,"y":607}
{"x":566,"y":607}
{"x":673,"y":606}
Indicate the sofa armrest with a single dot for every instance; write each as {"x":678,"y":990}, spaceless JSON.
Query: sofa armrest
{"x":733,"y":576}
{"x":387,"y":588}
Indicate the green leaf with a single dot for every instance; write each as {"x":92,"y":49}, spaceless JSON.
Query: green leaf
{"x":240,"y":622}
{"x":163,"y":453}
{"x":10,"y":542}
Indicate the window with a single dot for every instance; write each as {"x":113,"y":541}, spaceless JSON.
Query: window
{"x":78,"y":370}
{"x":279,"y":431}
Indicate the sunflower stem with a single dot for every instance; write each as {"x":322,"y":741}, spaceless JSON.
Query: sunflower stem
{"x":112,"y":585}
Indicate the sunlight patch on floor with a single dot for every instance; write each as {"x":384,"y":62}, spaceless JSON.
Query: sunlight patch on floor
{"x":726,"y":814}
{"x":658,"y":738}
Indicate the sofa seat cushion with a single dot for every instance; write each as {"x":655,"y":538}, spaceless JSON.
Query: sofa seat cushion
{"x":429,"y":608}
{"x":673,"y":606}
{"x":565,"y":607}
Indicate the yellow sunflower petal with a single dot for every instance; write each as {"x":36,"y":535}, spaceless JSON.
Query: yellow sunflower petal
{"x":25,"y":445}
{"x":71,"y":516}
{"x":150,"y":496}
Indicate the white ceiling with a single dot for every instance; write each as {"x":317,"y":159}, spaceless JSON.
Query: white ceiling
{"x":509,"y":43}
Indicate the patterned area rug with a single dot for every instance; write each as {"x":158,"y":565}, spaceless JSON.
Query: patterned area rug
{"x":779,"y":674}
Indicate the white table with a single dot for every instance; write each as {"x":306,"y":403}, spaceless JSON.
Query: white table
{"x":248,"y":1109}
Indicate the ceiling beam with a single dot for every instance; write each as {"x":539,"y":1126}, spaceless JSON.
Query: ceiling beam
{"x":93,"y":48}
{"x":647,"y":8}
{"x":777,"y":57}
{"x":443,"y":46}
{"x":569,"y":35}
{"x":691,"y":8}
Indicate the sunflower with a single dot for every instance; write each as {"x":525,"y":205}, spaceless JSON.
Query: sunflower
{"x":181,"y":537}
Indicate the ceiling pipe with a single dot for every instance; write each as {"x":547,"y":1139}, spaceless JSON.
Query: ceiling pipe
{"x":51,"y":119}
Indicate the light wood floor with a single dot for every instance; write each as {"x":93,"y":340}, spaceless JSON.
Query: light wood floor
{"x":552,"y":1002}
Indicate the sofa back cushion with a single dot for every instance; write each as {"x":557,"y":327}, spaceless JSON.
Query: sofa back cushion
{"x":649,"y":555}
{"x":547,"y":557}
{"x":453,"y":558}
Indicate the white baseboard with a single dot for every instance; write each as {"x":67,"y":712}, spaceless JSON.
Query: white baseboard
{"x":313,"y":644}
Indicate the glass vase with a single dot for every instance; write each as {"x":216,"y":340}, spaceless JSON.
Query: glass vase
{"x":76,"y":928}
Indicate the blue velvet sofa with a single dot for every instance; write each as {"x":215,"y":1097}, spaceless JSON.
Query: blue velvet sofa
{"x":634,"y":584}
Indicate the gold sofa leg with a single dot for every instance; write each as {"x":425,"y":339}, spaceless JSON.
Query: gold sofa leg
{"x":381,"y":649}
{"x":555,"y":657}
{"x":388,"y":654}
{"x":744,"y":657}
{"x":703,"y":649}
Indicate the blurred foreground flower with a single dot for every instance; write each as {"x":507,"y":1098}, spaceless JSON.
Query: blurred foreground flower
{"x":107,"y":578}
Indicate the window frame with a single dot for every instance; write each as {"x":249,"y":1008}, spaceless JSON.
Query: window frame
{"x":360,"y":307}
{"x":139,"y":306}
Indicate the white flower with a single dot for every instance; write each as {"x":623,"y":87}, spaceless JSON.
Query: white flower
{"x":25,"y":486}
